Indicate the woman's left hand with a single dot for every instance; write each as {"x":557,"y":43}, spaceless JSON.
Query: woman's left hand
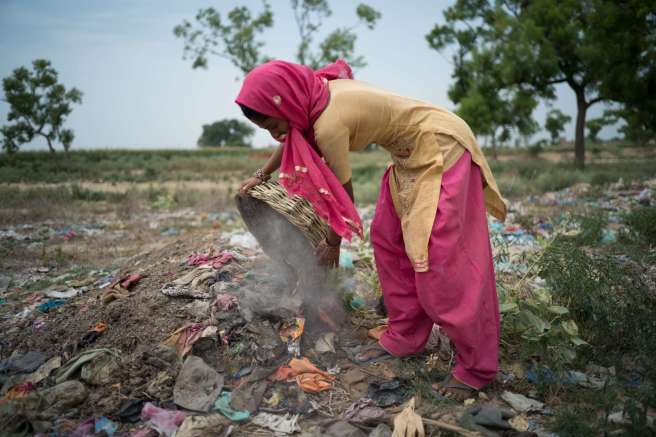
{"x":328,"y":254}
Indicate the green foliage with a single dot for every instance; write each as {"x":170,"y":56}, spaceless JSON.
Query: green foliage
{"x":586,"y":413}
{"x":608,"y":299}
{"x":39,"y":106}
{"x":555,"y":124}
{"x":237,"y":38}
{"x":599,"y":48}
{"x":638,"y":127}
{"x":78,"y":192}
{"x":535,"y":149}
{"x":543,"y":329}
{"x":490,"y":110}
{"x":368,"y":15}
{"x":309,"y":14}
{"x":575,"y":422}
{"x":165,"y":200}
{"x":226,"y":133}
{"x":340,"y":43}
{"x":641,"y":223}
{"x":533,"y":323}
{"x":595,"y":125}
{"x":234,"y":38}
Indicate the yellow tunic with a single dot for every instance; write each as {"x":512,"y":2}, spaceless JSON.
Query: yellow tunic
{"x":424,"y":141}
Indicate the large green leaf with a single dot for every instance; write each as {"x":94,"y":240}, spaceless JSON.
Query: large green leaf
{"x":557,"y":309}
{"x":570,"y":327}
{"x":507,"y":306}
{"x":531,"y":321}
{"x":578,"y":341}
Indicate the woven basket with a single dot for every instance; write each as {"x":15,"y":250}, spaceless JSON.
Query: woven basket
{"x":297,"y":210}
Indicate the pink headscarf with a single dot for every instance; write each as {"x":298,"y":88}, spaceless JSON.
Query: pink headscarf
{"x":298,"y":94}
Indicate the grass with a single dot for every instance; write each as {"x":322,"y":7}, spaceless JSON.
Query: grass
{"x":518,"y":173}
{"x":536,"y":176}
{"x":37,"y":185}
{"x":123,"y":165}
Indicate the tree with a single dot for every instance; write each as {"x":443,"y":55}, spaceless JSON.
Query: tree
{"x":38,"y":105}
{"x":555,"y":124}
{"x":238,"y":37}
{"x":599,"y":48}
{"x":234,"y":39}
{"x":489,"y":111}
{"x":639,"y":124}
{"x":595,"y":125}
{"x":226,"y":133}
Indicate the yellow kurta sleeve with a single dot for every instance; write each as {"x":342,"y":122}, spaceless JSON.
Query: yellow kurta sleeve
{"x":333,"y":140}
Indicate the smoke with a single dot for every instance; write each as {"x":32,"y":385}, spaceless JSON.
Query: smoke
{"x":294,"y":257}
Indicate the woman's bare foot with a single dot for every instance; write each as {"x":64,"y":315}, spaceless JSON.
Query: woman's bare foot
{"x":454,"y":389}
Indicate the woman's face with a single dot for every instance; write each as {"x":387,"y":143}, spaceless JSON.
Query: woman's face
{"x":277,"y":127}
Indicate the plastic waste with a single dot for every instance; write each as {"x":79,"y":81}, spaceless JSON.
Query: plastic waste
{"x":287,"y":424}
{"x":105,"y":425}
{"x":197,"y":385}
{"x":522,"y":403}
{"x":345,"y":259}
{"x":245,"y":240}
{"x":364,"y":412}
{"x":170,"y":232}
{"x":130,"y":411}
{"x":51,"y":304}
{"x":66,"y":294}
{"x":95,"y":366}
{"x":165,"y":422}
{"x":357,"y":302}
{"x":309,"y":377}
{"x":222,"y":405}
{"x":386,"y":394}
{"x":25,"y":363}
{"x":197,"y":426}
{"x":85,"y":429}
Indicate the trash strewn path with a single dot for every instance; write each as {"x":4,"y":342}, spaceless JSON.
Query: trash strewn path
{"x":175,"y":323}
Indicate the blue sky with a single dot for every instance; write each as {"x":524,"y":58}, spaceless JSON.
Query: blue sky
{"x":140,"y":93}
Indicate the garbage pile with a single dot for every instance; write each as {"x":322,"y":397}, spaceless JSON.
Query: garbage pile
{"x":209,"y":337}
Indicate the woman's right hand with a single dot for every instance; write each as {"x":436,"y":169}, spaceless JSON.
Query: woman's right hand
{"x":248,"y":184}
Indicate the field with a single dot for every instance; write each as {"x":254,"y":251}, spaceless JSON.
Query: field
{"x":576,"y":271}
{"x":36,"y":182}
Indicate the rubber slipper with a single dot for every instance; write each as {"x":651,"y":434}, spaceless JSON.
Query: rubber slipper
{"x":448,"y":383}
{"x":383,"y":357}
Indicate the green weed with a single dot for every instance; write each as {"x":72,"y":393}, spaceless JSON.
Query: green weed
{"x":642,"y":224}
{"x":575,"y":422}
{"x":608,"y":299}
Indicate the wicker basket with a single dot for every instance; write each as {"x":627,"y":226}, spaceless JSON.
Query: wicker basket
{"x":297,"y":210}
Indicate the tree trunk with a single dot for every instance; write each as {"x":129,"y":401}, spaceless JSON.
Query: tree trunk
{"x":52,"y":149}
{"x":579,"y":142}
{"x":494,"y":145}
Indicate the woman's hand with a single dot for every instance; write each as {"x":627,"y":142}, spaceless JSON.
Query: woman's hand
{"x":327,"y":253}
{"x":249,"y":183}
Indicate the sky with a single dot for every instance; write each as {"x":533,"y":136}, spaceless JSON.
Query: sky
{"x":139,"y":92}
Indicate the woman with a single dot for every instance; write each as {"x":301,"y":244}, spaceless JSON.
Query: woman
{"x":429,"y":232}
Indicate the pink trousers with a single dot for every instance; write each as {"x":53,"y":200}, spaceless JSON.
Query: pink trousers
{"x":458,"y":293}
